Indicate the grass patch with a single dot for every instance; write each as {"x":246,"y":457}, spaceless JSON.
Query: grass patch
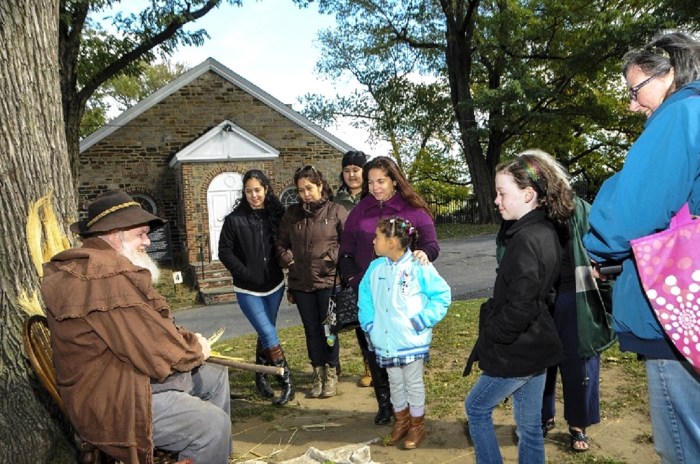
{"x":181,"y":296}
{"x":464,"y":230}
{"x":446,"y":389}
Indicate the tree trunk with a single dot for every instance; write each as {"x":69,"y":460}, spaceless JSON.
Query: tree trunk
{"x":459,"y":28}
{"x":33,"y":164}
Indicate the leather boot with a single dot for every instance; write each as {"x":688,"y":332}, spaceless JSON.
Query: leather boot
{"x":366,"y":379}
{"x":380,"y":382}
{"x":276,"y":355}
{"x":416,"y":433}
{"x":401,"y":424}
{"x":317,"y":382}
{"x":330,"y":382}
{"x":261,"y":382}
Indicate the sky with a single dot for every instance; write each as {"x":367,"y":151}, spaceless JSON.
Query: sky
{"x":271,"y":43}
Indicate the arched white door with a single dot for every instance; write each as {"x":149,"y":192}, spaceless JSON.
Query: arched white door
{"x":222,"y":194}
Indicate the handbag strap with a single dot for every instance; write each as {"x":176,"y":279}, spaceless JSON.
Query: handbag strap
{"x":335,"y":282}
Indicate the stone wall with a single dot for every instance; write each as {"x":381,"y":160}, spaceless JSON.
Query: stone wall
{"x":135,"y":157}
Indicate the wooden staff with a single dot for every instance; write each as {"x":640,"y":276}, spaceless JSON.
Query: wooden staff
{"x":230,"y":362}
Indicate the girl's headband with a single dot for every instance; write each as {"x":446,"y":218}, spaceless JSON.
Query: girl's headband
{"x":534,"y":173}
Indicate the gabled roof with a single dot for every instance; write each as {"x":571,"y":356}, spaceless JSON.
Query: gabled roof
{"x":210,"y":64}
{"x":225,"y":142}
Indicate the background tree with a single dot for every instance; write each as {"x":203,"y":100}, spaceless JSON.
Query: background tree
{"x":89,"y":55}
{"x":125,"y":90}
{"x":522,"y":73}
{"x":35,"y":189}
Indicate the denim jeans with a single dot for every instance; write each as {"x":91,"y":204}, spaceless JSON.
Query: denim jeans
{"x":674,"y":403}
{"x":197,"y":423}
{"x":261,"y":311}
{"x":487,"y":394}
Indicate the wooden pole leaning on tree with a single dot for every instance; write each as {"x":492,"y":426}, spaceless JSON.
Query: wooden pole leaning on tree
{"x":232,"y":362}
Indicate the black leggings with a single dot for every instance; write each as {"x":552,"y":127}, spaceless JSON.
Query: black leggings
{"x":313,"y":307}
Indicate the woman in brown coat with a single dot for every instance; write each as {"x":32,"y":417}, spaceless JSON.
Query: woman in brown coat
{"x":307,"y":245}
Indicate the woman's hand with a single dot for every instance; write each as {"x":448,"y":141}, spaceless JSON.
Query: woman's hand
{"x":421,"y":257}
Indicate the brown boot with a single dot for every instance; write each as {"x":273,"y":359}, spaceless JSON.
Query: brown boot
{"x":330,"y":382}
{"x":416,"y":433}
{"x":401,"y":424}
{"x":317,"y":382}
{"x":366,"y":379}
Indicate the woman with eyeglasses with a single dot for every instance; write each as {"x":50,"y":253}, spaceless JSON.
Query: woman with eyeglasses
{"x":246,"y":248}
{"x":661,"y":173}
{"x":307,"y":245}
{"x":385,"y":193}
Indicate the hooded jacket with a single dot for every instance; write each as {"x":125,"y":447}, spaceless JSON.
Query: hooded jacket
{"x":111,"y":334}
{"x":660,"y":174}
{"x":308,"y":243}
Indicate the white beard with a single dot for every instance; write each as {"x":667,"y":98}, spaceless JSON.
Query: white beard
{"x":141,"y":259}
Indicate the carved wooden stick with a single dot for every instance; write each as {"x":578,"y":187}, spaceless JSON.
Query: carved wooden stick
{"x":226,"y":361}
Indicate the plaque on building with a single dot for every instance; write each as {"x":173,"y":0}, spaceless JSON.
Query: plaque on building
{"x":161,"y":246}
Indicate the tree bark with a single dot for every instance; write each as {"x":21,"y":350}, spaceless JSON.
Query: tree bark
{"x":460,"y":20}
{"x":33,"y":163}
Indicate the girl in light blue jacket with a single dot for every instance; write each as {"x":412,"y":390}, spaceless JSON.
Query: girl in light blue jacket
{"x":400,"y":300}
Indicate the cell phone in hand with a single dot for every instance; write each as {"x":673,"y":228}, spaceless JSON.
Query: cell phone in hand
{"x":609,"y":269}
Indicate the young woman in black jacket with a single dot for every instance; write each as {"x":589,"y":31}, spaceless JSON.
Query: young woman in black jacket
{"x":246,"y":248}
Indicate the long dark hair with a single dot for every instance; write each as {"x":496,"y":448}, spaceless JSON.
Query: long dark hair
{"x":272,"y":204}
{"x":388,"y":165}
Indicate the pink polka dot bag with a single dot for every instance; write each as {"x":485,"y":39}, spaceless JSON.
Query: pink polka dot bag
{"x":669,"y":268}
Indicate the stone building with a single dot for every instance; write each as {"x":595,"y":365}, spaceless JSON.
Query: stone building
{"x":182,"y":153}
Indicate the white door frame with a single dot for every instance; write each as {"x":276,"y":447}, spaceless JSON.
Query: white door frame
{"x":222,"y":193}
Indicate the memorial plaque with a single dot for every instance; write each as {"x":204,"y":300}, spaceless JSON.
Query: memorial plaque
{"x":161,"y":246}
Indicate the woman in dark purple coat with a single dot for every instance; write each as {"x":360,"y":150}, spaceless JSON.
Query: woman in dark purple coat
{"x":385,"y":193}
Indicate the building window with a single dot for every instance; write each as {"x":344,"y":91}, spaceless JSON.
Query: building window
{"x":289,"y":197}
{"x":146,"y":202}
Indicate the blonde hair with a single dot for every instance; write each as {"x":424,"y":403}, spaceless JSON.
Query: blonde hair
{"x":539,"y":170}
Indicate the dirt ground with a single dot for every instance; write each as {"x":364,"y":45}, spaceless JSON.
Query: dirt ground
{"x":347,"y":418}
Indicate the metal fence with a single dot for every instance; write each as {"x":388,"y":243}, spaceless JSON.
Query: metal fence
{"x":450,"y":211}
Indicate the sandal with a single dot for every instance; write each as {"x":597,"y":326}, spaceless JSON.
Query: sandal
{"x":579,"y":440}
{"x":547,"y":426}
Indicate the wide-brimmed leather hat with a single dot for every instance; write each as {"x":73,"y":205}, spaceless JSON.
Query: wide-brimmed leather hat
{"x":112,"y":210}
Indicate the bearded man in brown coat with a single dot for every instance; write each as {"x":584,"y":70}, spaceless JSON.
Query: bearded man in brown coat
{"x":130,"y":378}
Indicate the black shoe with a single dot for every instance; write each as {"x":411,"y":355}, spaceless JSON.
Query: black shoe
{"x":384,"y":414}
{"x":547,"y":426}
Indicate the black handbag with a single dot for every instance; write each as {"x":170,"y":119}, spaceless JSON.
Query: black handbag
{"x":342,"y":308}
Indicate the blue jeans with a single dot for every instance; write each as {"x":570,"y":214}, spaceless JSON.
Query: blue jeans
{"x":487,"y":394}
{"x":261,"y":311}
{"x":197,"y":423}
{"x":674,"y":403}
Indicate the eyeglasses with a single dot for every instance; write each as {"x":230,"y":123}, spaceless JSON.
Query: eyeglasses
{"x":635,"y":90}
